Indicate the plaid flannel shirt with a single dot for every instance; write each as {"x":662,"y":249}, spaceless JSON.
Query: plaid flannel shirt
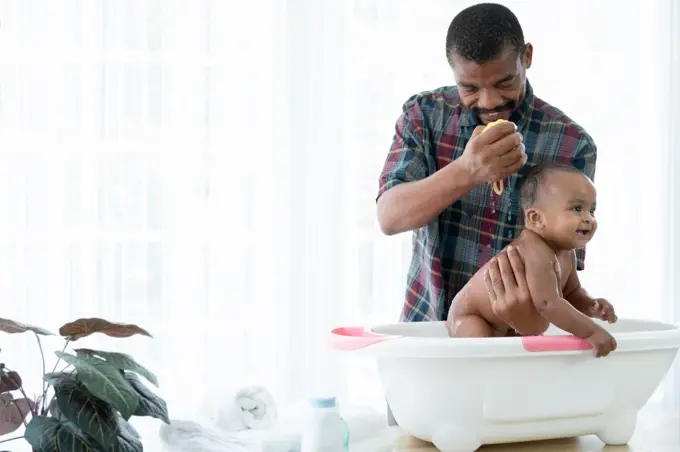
{"x":433,"y":130}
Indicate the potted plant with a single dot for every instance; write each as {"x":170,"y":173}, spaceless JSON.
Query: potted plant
{"x":86,"y":405}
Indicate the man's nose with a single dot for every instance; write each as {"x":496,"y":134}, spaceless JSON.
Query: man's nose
{"x":489,"y":100}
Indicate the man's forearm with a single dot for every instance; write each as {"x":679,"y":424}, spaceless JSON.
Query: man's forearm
{"x":411,"y":205}
{"x":563,"y":315}
{"x":580,"y":299}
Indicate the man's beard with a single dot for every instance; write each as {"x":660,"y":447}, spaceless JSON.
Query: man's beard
{"x":509,"y":106}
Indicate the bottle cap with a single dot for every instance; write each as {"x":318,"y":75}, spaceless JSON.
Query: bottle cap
{"x":322,"y":402}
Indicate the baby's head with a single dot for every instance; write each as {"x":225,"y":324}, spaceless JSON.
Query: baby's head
{"x":558,"y":202}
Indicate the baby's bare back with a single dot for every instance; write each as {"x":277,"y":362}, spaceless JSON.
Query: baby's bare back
{"x":474,"y":299}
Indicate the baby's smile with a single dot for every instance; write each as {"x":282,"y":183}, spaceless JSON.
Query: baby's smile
{"x":583,"y":232}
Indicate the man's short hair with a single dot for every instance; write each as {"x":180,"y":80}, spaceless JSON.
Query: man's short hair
{"x":480,"y":32}
{"x":530,"y":188}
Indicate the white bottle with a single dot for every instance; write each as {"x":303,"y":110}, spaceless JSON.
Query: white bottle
{"x":325,"y":430}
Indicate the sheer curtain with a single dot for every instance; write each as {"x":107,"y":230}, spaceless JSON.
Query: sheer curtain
{"x":207,"y":169}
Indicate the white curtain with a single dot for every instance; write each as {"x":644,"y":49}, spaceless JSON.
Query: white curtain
{"x":207,"y":169}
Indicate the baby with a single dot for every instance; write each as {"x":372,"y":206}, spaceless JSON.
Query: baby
{"x":559,"y":216}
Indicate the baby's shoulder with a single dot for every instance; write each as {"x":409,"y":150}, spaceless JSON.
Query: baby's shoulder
{"x":534,"y":249}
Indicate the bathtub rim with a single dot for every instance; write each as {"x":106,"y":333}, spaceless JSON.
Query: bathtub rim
{"x":377,"y":341}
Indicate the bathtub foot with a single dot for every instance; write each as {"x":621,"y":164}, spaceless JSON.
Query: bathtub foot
{"x":619,"y":430}
{"x":452,"y":439}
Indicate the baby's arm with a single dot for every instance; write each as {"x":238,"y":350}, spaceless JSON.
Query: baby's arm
{"x":544,"y":288}
{"x":598,"y":308}
{"x":575,"y":294}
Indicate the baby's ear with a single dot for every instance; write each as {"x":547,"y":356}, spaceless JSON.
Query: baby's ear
{"x":534,"y":217}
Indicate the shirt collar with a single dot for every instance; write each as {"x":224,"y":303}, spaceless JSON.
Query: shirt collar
{"x":520,"y":115}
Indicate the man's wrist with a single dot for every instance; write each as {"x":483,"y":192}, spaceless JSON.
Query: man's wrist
{"x":458,"y":176}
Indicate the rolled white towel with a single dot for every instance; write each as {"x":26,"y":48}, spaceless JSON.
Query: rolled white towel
{"x":367,"y":433}
{"x":250,"y":408}
{"x":187,"y":436}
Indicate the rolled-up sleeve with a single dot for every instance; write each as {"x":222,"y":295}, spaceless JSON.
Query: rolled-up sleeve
{"x":406,"y":160}
{"x":585,"y":159}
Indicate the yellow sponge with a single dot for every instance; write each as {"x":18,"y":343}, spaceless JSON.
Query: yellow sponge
{"x":495,"y":123}
{"x":497,"y":186}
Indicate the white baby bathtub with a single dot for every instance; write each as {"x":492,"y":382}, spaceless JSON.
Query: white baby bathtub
{"x":462,"y":393}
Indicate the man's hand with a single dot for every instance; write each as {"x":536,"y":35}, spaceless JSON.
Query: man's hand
{"x":494,"y":154}
{"x":603,"y":310}
{"x":511,"y":302}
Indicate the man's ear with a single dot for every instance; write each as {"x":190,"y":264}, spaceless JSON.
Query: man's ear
{"x":528,"y":55}
{"x":534,"y":218}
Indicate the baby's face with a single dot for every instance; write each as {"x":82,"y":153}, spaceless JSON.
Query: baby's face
{"x":568,"y":203}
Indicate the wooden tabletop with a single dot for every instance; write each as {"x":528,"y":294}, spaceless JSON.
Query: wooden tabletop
{"x":658,"y":430}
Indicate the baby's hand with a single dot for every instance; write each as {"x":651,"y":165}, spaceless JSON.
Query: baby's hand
{"x":602,"y":341}
{"x":603,"y":310}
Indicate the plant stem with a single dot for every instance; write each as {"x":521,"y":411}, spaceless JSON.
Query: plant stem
{"x":42,"y":355}
{"x":62,"y":350}
{"x":43,"y":409}
{"x":11,"y":439}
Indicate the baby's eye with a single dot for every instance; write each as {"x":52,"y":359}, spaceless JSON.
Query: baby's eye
{"x":592,"y":212}
{"x":576,"y":208}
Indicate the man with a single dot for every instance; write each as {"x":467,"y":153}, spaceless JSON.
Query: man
{"x":437,"y":177}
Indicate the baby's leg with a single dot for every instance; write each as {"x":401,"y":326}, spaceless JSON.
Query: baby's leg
{"x":470,"y":325}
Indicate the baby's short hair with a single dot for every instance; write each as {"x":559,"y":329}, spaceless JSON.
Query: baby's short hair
{"x":528,"y":192}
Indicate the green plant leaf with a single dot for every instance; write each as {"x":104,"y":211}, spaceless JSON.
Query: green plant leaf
{"x":47,"y":434}
{"x":127,"y":428}
{"x":94,"y":417}
{"x":84,"y":327}
{"x":105,"y":382}
{"x":12,"y":327}
{"x":72,"y":440}
{"x":54,"y":378}
{"x":55,"y":412}
{"x":120,"y":361}
{"x":150,"y":404}
{"x":128,"y":440}
{"x":41,"y":433}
